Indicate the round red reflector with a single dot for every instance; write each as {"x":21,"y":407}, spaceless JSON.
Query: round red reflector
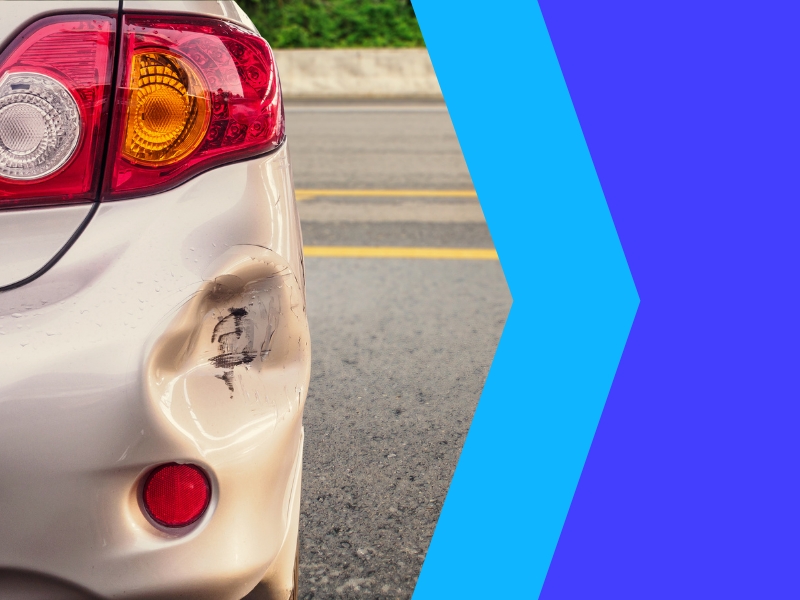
{"x":176,"y":495}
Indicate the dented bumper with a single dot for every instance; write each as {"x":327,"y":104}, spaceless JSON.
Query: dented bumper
{"x":173,"y":330}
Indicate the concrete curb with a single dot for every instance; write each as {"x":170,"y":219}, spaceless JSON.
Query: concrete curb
{"x":362,"y":73}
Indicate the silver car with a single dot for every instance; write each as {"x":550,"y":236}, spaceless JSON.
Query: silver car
{"x":154,"y":344}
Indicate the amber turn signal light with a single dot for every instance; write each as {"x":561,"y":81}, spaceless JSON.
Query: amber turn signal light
{"x":168,"y":113}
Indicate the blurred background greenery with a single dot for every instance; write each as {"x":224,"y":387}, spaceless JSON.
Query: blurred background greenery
{"x":335,"y":23}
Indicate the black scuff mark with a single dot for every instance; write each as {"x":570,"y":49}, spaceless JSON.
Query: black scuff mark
{"x":238,"y":314}
{"x":234,"y":335}
{"x":267,"y":344}
{"x":233,"y":359}
{"x":227,"y":377}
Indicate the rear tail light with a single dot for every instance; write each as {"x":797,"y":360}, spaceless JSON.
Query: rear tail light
{"x":194,"y":93}
{"x":40,"y":124}
{"x":54,"y":82}
{"x":176,"y":495}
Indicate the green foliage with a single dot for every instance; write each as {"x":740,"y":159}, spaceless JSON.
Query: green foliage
{"x":335,"y":23}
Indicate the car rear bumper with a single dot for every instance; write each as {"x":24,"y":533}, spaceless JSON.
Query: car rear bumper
{"x":114,"y":362}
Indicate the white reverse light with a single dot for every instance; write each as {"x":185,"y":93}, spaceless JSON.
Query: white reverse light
{"x":39,"y":125}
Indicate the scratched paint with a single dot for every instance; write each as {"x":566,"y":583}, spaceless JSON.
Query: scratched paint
{"x":236,"y":357}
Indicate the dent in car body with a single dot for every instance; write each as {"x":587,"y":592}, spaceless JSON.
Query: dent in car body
{"x":233,"y":361}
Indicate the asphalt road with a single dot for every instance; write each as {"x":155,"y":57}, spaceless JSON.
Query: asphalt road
{"x":401,"y":347}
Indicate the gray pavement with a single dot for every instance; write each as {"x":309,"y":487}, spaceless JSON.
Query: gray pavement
{"x":401,"y":347}
{"x":374,"y":146}
{"x":456,"y":235}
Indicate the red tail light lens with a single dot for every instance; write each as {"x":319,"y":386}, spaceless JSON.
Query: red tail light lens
{"x":176,"y":495}
{"x":55,"y":79}
{"x":194,"y":93}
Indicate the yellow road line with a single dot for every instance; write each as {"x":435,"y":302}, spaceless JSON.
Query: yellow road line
{"x":311,"y":194}
{"x":401,"y":252}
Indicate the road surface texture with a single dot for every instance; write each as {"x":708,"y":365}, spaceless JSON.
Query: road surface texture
{"x":401,"y":346}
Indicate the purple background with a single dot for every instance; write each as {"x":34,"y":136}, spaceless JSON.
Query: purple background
{"x":690,"y":112}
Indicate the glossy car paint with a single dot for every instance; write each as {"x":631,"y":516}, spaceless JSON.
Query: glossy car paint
{"x":172,"y":330}
{"x":29,"y":239}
